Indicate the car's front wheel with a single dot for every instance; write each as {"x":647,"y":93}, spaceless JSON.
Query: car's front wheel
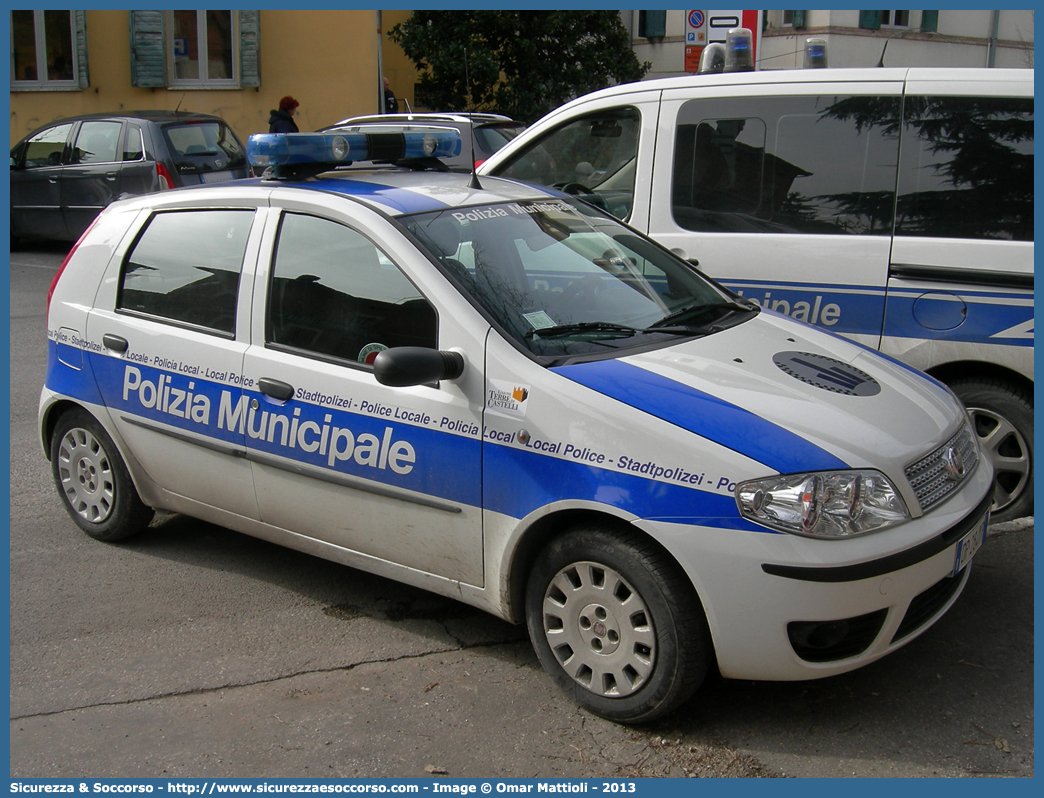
{"x":617,"y":624}
{"x":93,"y":481}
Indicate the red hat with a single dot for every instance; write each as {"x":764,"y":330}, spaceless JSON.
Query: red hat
{"x":288,"y":104}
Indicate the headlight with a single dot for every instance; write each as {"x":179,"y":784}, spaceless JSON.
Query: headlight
{"x":823,"y":505}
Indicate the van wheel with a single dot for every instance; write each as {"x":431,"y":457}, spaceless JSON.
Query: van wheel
{"x":1003,"y":419}
{"x":617,"y":624}
{"x":93,"y":481}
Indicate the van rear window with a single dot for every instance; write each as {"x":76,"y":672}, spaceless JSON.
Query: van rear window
{"x":963,"y":156}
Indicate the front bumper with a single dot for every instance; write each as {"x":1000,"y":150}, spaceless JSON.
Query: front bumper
{"x":783,"y":607}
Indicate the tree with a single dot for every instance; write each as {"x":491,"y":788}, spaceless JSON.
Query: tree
{"x":518,"y":63}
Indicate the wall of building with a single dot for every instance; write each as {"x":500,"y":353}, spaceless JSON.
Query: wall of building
{"x":962,"y":40}
{"x":327,"y":60}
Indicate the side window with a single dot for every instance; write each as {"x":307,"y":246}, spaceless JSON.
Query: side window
{"x":96,"y":142}
{"x":334,"y":293}
{"x":967,"y":168}
{"x":787,"y":165}
{"x":46,"y":147}
{"x":133,"y":149}
{"x":185,"y":268}
{"x":594,"y":156}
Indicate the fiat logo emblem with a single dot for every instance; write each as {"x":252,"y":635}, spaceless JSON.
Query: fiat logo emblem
{"x":953,"y":465}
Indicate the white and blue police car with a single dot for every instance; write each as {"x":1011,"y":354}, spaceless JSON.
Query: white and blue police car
{"x":501,"y":394}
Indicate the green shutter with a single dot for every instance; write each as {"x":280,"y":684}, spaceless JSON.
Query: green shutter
{"x":652,"y":24}
{"x":80,"y":33}
{"x":249,"y":48}
{"x":148,"y":53}
{"x":929,"y":21}
{"x":798,"y":19}
{"x":871,"y":20}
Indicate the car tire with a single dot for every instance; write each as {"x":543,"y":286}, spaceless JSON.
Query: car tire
{"x":1002,"y":415}
{"x":617,"y":624}
{"x":93,"y":480}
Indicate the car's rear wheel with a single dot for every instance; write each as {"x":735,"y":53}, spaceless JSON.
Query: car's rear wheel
{"x":93,"y":481}
{"x":617,"y":624}
{"x":1003,"y":420}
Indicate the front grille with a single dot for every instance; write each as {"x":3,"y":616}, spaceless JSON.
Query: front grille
{"x":940,"y":473}
{"x":927,"y":605}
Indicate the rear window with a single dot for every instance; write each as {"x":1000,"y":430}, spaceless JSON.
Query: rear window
{"x":192,"y":142}
{"x":185,"y":268}
{"x":491,"y":138}
{"x":967,"y":168}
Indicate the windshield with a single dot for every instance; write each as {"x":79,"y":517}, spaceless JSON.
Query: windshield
{"x":564,"y":280}
{"x":593,"y":157}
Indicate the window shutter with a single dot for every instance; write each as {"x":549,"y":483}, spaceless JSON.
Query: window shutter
{"x":871,"y":20}
{"x":80,"y":34}
{"x":929,"y":21}
{"x":798,"y":19}
{"x":249,"y":48}
{"x":652,"y":24}
{"x":147,"y":49}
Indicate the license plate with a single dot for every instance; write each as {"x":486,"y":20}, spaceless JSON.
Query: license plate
{"x":216,"y":177}
{"x":969,"y":544}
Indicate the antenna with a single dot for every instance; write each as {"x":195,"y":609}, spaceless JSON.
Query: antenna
{"x":179,"y":102}
{"x":474,"y":182}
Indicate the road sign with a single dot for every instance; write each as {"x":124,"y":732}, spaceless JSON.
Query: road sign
{"x":704,"y":27}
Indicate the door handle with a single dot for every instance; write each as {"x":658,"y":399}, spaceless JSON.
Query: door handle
{"x":277,"y":389}
{"x":116,"y":343}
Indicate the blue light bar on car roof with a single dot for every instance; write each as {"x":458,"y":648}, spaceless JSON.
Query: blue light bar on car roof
{"x":339,"y":149}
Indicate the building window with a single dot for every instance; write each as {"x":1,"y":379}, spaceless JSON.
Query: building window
{"x":202,"y":48}
{"x":652,"y":24}
{"x":792,"y":19}
{"x":874,"y":20}
{"x":44,"y":50}
{"x":195,"y":49}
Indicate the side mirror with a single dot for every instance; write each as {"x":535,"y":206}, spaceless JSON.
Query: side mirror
{"x":403,"y":366}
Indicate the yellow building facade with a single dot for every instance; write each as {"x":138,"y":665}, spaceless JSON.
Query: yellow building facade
{"x":235,"y":64}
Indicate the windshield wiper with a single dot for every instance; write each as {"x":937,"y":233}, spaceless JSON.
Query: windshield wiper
{"x":693,"y":312}
{"x":582,"y":326}
{"x":604,"y":326}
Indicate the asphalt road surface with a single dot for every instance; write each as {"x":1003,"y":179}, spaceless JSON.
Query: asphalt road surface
{"x":193,"y":651}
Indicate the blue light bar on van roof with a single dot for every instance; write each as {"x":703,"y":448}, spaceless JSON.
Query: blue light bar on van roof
{"x":339,"y":149}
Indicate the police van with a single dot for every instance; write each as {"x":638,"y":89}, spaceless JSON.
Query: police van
{"x":891,"y":206}
{"x":502,"y":394}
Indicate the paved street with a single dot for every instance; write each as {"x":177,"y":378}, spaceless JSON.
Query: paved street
{"x":194,"y":651}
